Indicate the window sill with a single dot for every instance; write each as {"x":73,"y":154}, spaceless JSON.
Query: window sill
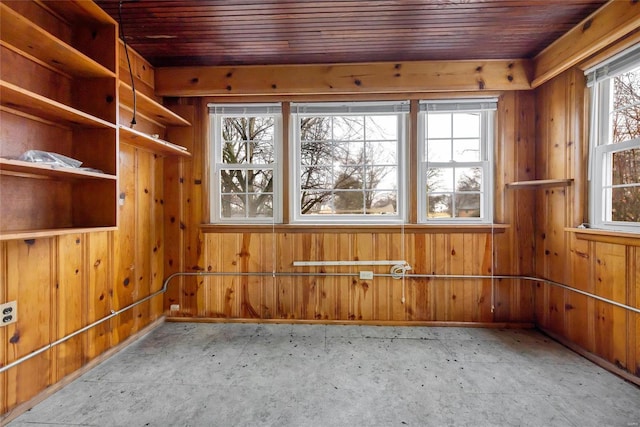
{"x":606,"y":236}
{"x":341,"y":228}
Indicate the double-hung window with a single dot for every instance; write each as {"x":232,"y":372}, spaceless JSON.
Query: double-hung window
{"x":455,"y":162}
{"x":245,"y":177}
{"x":615,"y":142}
{"x":349,"y":161}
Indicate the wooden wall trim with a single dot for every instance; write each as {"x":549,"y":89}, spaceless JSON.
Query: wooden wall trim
{"x":360,"y":78}
{"x":608,"y":24}
{"x":452,"y":324}
{"x":340,"y":228}
{"x":606,"y":236}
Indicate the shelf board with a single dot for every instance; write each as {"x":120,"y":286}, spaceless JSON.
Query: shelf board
{"x":15,"y":97}
{"x":36,"y":170}
{"x":149,"y":107}
{"x":29,"y":38}
{"x":540,"y":183}
{"x":44,"y":233}
{"x":142,"y":140}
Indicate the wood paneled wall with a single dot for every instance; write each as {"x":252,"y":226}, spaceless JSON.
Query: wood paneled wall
{"x":428,"y":250}
{"x":606,"y":267}
{"x":66,"y":282}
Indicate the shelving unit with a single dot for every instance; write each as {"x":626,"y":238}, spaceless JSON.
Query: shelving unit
{"x":58,"y":93}
{"x":540,"y":183}
{"x":33,"y":40}
{"x":140,"y":139}
{"x":149,"y":108}
{"x":14,"y":97}
{"x":36,"y":170}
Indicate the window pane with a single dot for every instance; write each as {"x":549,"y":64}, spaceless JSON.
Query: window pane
{"x":234,"y":152}
{"x":318,"y":177}
{"x":349,"y":202}
{"x":382,"y":153}
{"x":626,"y":167}
{"x":626,"y":106}
{"x":439,"y":206}
{"x":316,"y":153}
{"x":381,"y":202}
{"x":348,"y":128}
{"x":439,"y":150}
{"x":440,"y":179}
{"x":348,"y":177}
{"x":626,"y":204}
{"x":382,"y":128}
{"x":261,"y":205}
{"x":466,"y":150}
{"x":316,"y":202}
{"x":260,"y":180}
{"x":381,"y":177}
{"x":315,"y":128}
{"x":438,"y":125}
{"x":232,"y":181}
{"x":468,"y":179}
{"x":468,"y":205}
{"x":466,"y":125}
{"x":233,"y":206}
{"x":350,"y":153}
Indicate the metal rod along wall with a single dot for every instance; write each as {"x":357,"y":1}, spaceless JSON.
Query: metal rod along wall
{"x":166,"y":282}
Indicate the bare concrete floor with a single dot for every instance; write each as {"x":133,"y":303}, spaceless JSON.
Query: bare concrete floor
{"x":189,"y":374}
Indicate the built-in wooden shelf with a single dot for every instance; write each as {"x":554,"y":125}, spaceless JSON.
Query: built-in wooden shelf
{"x":35,"y":234}
{"x":540,"y":183}
{"x":37,"y":170}
{"x":20,"y":99}
{"x":25,"y":36}
{"x":142,"y":140}
{"x":149,"y":107}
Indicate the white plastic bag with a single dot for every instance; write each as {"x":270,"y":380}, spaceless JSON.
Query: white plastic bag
{"x":49,"y":158}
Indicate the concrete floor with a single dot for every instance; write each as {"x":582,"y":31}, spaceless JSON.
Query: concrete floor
{"x":188,"y":374}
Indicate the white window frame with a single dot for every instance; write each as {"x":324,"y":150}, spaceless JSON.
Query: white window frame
{"x":298,"y":110}
{"x":217,"y":112}
{"x":486,"y":108}
{"x":600,"y":146}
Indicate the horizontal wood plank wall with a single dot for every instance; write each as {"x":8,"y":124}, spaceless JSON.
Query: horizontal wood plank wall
{"x":65,"y":282}
{"x":606,"y":269}
{"x":349,"y":298}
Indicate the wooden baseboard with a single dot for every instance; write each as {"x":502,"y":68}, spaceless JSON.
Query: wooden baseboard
{"x":25,"y":406}
{"x":592,"y":357}
{"x":495,"y":325}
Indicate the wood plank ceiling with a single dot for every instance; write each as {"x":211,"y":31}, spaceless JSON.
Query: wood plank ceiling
{"x":256,"y":32}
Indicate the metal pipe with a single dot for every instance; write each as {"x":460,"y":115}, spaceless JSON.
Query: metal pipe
{"x":169,"y":278}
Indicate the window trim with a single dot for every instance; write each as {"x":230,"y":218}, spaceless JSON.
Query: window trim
{"x":400,"y":108}
{"x":487,"y":109}
{"x":601,"y":150}
{"x":216,"y":113}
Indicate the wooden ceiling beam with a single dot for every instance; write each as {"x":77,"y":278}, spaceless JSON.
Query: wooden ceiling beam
{"x":608,"y":24}
{"x":383,"y":77}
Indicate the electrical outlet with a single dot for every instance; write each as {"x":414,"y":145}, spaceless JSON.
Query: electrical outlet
{"x":366,"y":275}
{"x":175,"y":307}
{"x":8,"y":313}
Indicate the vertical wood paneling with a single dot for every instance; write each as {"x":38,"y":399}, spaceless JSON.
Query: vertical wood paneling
{"x":125,"y":242}
{"x":157,"y":238}
{"x":605,"y":269}
{"x":69,"y":304}
{"x":99,"y":291}
{"x":30,"y":279}
{"x":144,"y":235}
